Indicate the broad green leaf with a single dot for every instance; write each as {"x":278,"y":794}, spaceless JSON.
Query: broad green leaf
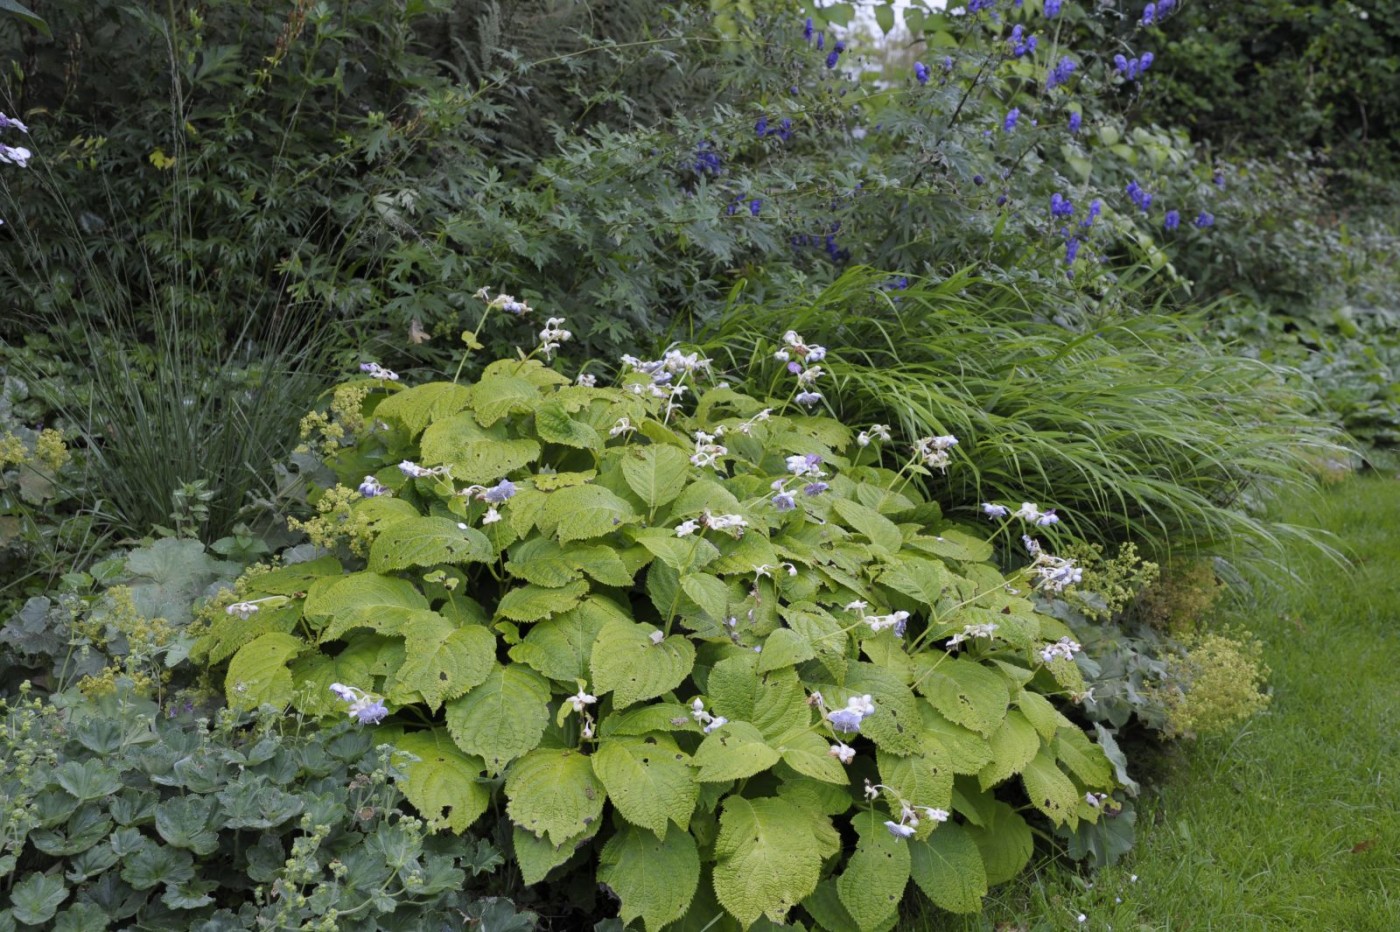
{"x":965,"y":750}
{"x":656,"y":472}
{"x":190,"y":822}
{"x":948,"y":868}
{"x":1043,"y":716}
{"x":89,"y":779}
{"x":1005,"y":841}
{"x":536,"y":857}
{"x":603,"y":563}
{"x":629,"y":664}
{"x":896,"y":725}
{"x":531,"y":370}
{"x":553,"y":425}
{"x":784,"y":648}
{"x":559,"y":647}
{"x":679,"y":553}
{"x":417,"y":407}
{"x":825,"y":906}
{"x":708,"y":592}
{"x":37,"y":897}
{"x":442,"y":662}
{"x":649,"y":780}
{"x":655,"y":878}
{"x":920,"y":579}
{"x":444,"y":784}
{"x":481,"y":462}
{"x":495,"y":396}
{"x":881,"y":531}
{"x":229,"y":632}
{"x":503,"y":717}
{"x":957,"y":545}
{"x":808,"y":754}
{"x":1014,"y":745}
{"x":775,"y":703}
{"x":704,"y":495}
{"x":360,"y":591}
{"x":1050,"y":790}
{"x":733,"y":751}
{"x":766,"y":861}
{"x":918,"y":779}
{"x":584,"y":512}
{"x":641,"y":720}
{"x":531,"y":603}
{"x":554,"y":792}
{"x":1085,"y":759}
{"x":427,"y":542}
{"x":258,"y":674}
{"x":965,"y":691}
{"x":543,"y":562}
{"x":877,"y":873}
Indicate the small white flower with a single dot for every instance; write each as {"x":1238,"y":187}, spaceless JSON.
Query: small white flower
{"x":345,"y":693}
{"x":483,"y":294}
{"x":491,"y":516}
{"x":935,"y":815}
{"x":581,"y":700}
{"x":15,"y":155}
{"x":898,"y":830}
{"x":413,"y":470}
{"x":859,"y":605}
{"x":842,"y":752}
{"x":871,"y":792}
{"x":657,"y":637}
{"x":808,"y":398}
{"x":1063,"y":649}
{"x":716,"y":722}
{"x":805,"y":465}
{"x":994,"y":511}
{"x":1081,"y":919}
{"x":587,"y":380}
{"x":587,"y":731}
{"x":623,"y":426}
{"x":242,"y":609}
{"x":725,"y":522}
{"x":1028,"y":512}
{"x":686,"y":528}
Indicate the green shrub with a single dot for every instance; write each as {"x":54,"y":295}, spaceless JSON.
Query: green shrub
{"x":735,"y":621}
{"x":124,"y":813}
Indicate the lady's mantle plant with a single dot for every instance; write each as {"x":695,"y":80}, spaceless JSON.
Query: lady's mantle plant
{"x":711,"y":647}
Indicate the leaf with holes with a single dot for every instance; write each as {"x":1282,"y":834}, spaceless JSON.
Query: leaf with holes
{"x":649,"y":780}
{"x":1013,"y":747}
{"x":656,"y":878}
{"x":444,"y":784}
{"x":766,"y":858}
{"x":629,"y":664}
{"x":947,"y":866}
{"x":583,"y":512}
{"x":503,"y":717}
{"x":531,"y":603}
{"x":877,"y":873}
{"x":258,"y":674}
{"x":733,"y":751}
{"x":554,"y":792}
{"x":1050,"y":790}
{"x":965,"y":691}
{"x":442,"y":662}
{"x":427,"y":542}
{"x":657,"y":472}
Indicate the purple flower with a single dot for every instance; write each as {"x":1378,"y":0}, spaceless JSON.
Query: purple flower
{"x":947,"y":63}
{"x":821,"y":41}
{"x":1095,"y":208}
{"x":1146,"y":62}
{"x":1060,"y":206}
{"x":1219,"y":179}
{"x":1141,"y":198}
{"x":1120,"y":62}
{"x":1172,"y":220}
{"x":784,"y":501}
{"x":807,"y":29}
{"x":370,"y":487}
{"x":978,"y":180}
{"x":1076,"y":119}
{"x":1052,"y":8}
{"x":1009,"y":123}
{"x":835,"y":55}
{"x":921,"y":72}
{"x":370,"y":712}
{"x":1061,"y":72}
{"x":755,"y":206}
{"x":808,"y":398}
{"x":1149,"y":14}
{"x":1164,"y":7}
{"x":707,"y":161}
{"x":815,"y":488}
{"x":1205,"y":219}
{"x":761,"y":127}
{"x":977,"y":6}
{"x":1071,"y":250}
{"x":784,"y":129}
{"x":845,"y":720}
{"x":502,"y":492}
{"x":8,"y":122}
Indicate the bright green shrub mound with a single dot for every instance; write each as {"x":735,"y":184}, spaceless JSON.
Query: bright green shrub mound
{"x":689,"y":640}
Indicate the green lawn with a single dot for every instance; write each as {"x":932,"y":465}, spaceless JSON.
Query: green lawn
{"x":1291,"y":821}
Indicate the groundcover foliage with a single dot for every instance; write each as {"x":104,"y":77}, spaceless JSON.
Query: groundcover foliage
{"x":699,"y":647}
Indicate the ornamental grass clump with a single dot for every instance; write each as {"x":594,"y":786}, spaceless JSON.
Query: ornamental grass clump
{"x":716,"y":651}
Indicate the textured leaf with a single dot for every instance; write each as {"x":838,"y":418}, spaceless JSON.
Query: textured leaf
{"x":659,"y":716}
{"x":775,"y":702}
{"x":1005,"y":841}
{"x":604,"y":564}
{"x":1085,"y":760}
{"x":503,"y":717}
{"x":365,"y":656}
{"x":733,"y":751}
{"x":229,"y":632}
{"x":704,"y":495}
{"x":442,"y":662}
{"x":444,"y":784}
{"x":361,"y":591}
{"x":1050,"y":790}
{"x":948,"y":868}
{"x":831,"y":915}
{"x":679,"y":553}
{"x":649,"y":780}
{"x":955,"y":545}
{"x":536,"y":857}
{"x":1013,"y":746}
{"x":655,"y":878}
{"x":554,"y":792}
{"x":531,"y":603}
{"x":37,"y":897}
{"x":427,"y":542}
{"x":919,"y":779}
{"x":89,"y":779}
{"x":560,"y":647}
{"x":656,"y":472}
{"x":583,"y":512}
{"x":553,"y":425}
{"x":964,"y":749}
{"x":628,"y":664}
{"x":417,"y":407}
{"x":543,"y":562}
{"x":808,"y":754}
{"x":189,"y":822}
{"x":258,"y":674}
{"x":877,"y":873}
{"x":495,"y":396}
{"x":708,"y":592}
{"x":784,"y":648}
{"x":766,"y":859}
{"x":881,"y":531}
{"x":965,"y":691}
{"x":919,"y":579}
{"x":896,"y":725}
{"x":1039,"y":711}
{"x":485,"y":460}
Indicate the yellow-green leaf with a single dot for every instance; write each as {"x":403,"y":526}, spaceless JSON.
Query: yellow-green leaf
{"x":766,"y":859}
{"x":649,"y":779}
{"x":554,"y":792}
{"x":444,"y":784}
{"x":627,"y":662}
{"x":656,"y":878}
{"x":503,"y":717}
{"x":258,"y":674}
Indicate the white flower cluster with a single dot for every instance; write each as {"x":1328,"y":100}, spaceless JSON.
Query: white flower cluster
{"x":552,"y":335}
{"x":1063,"y":649}
{"x":714,"y":523}
{"x":842,"y":752}
{"x":895,"y":620}
{"x":366,"y":709}
{"x":880,"y":432}
{"x":375,"y":371}
{"x":707,"y":451}
{"x":801,"y":359}
{"x":493,"y":495}
{"x":245,"y":610}
{"x":848,"y":720}
{"x":414,"y":471}
{"x":968,"y":632}
{"x":934,"y":450}
{"x":1033,"y":514}
{"x":1053,"y":574}
{"x":711,"y":722}
{"x":664,"y":372}
{"x":504,"y":302}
